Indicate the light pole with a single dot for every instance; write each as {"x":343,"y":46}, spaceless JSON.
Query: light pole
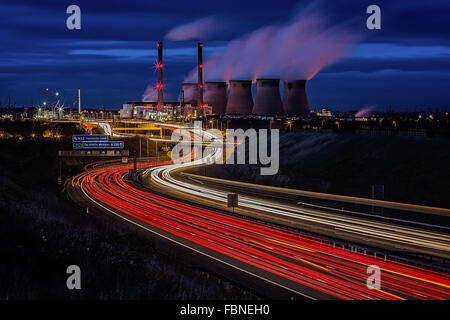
{"x":289,"y":124}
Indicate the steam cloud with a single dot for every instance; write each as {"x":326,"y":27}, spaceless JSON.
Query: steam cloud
{"x":151,"y":94}
{"x":199,"y":29}
{"x":365,"y":112}
{"x":296,"y":50}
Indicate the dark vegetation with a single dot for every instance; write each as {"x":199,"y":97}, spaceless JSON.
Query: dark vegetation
{"x":42,"y":233}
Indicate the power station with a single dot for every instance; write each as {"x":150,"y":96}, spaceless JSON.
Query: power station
{"x":235,"y":97}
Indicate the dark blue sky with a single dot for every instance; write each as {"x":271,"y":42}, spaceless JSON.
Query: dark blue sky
{"x":406,"y":64}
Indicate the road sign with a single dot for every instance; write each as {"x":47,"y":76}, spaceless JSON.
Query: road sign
{"x":86,"y":137}
{"x":232,"y":200}
{"x":93,"y":153}
{"x":98,"y":145}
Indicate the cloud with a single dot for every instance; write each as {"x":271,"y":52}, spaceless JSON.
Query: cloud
{"x":199,"y":29}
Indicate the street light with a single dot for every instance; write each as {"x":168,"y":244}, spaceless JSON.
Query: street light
{"x":289,"y":124}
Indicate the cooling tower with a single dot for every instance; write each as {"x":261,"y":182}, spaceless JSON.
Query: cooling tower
{"x":240,"y":99}
{"x":190,"y":93}
{"x":216,"y":96}
{"x":268,"y":98}
{"x":295,"y":102}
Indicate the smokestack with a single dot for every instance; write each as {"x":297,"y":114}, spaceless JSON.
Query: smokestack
{"x":295,"y":101}
{"x":268,"y":98}
{"x":200,"y":75}
{"x":240,"y":99}
{"x":190,"y":91}
{"x":159,"y":66}
{"x":216,"y":96}
{"x":79,"y":102}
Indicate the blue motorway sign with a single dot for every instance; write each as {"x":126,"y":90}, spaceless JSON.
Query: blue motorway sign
{"x":98,"y":145}
{"x":85,"y":137}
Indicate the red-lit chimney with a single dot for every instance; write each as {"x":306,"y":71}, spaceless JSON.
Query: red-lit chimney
{"x":200,"y":77}
{"x":160,"y":85}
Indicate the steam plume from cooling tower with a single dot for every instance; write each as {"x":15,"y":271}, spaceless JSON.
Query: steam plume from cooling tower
{"x":296,"y":50}
{"x":365,"y":112}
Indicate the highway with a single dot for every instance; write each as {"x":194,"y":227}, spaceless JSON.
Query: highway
{"x":299,"y":264}
{"x":304,"y":266}
{"x":371,"y":232}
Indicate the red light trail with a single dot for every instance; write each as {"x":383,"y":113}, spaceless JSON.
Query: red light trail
{"x":301,"y":260}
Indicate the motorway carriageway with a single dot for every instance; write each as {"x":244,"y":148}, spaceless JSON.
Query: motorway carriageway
{"x":282,"y":258}
{"x":385,"y":235}
{"x":298,"y":263}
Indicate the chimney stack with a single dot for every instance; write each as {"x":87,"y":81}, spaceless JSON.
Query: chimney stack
{"x":268,"y":98}
{"x":200,"y":77}
{"x":159,"y":66}
{"x":79,"y":102}
{"x":295,"y":101}
{"x":240,"y":100}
